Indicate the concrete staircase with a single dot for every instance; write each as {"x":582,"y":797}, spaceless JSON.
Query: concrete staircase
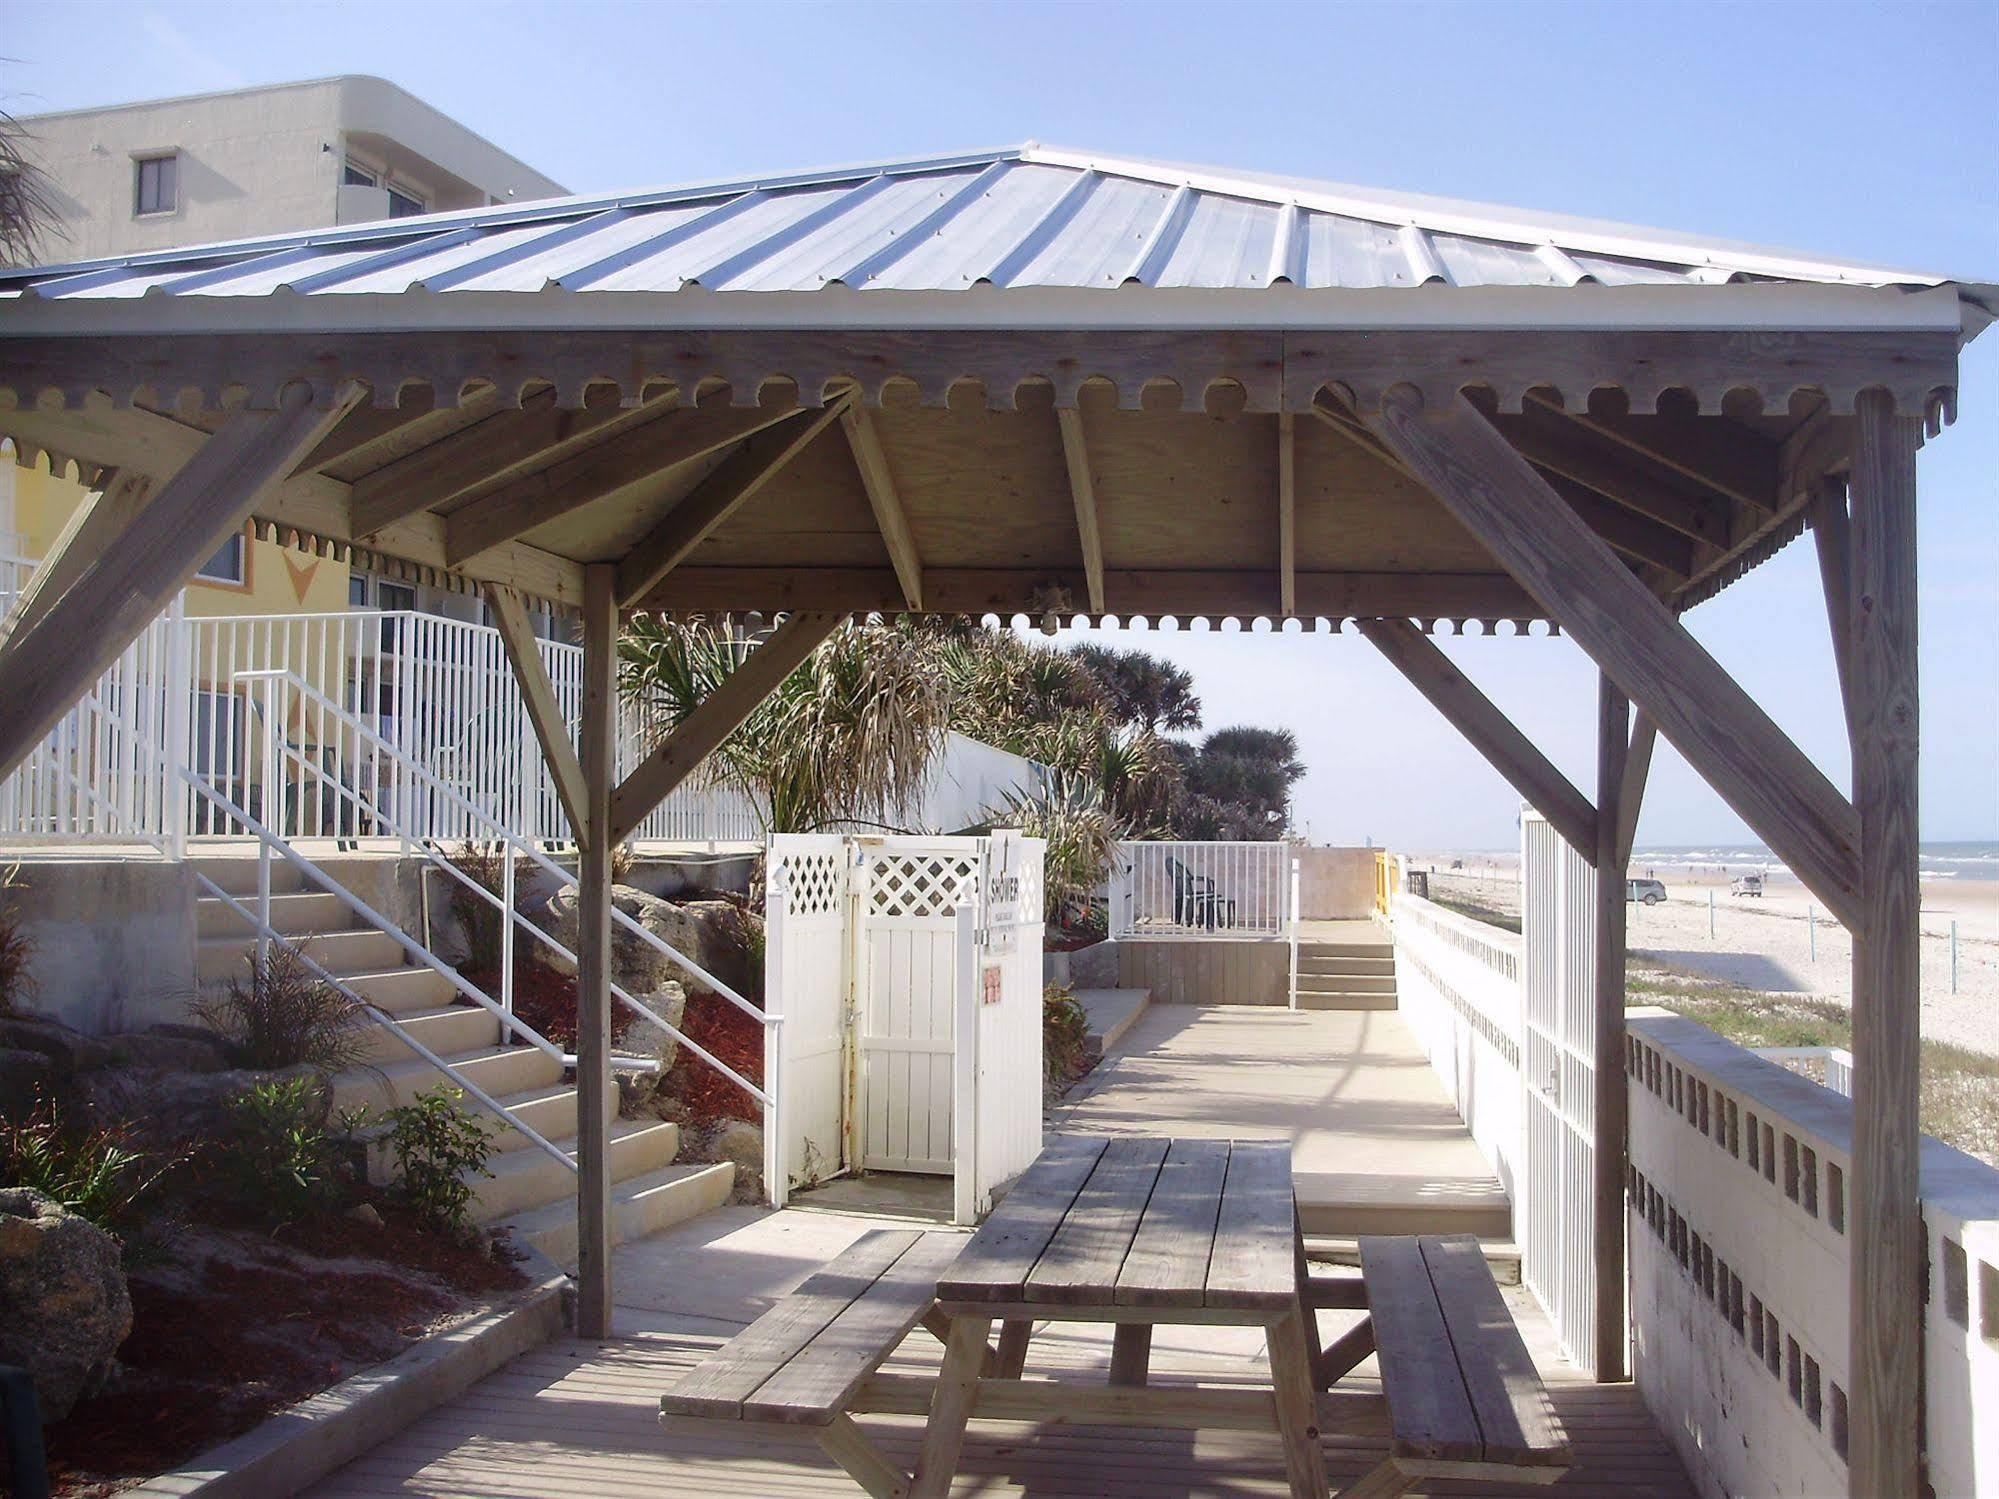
{"x":530,"y":1193}
{"x":1346,"y":975}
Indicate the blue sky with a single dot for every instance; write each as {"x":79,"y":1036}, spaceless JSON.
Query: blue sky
{"x":1863,"y":130}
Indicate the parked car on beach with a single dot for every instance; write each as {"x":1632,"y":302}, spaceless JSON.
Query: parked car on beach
{"x":1747,"y":884}
{"x":1645,"y":892}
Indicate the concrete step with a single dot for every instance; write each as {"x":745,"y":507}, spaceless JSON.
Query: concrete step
{"x":1345,"y":950}
{"x":1420,"y":1209}
{"x":1502,"y":1255}
{"x":501,"y":1070}
{"x":524,"y":1180}
{"x":292,"y":914}
{"x":445,"y":1029}
{"x":218,"y":959}
{"x":239,"y":875}
{"x":1337,"y":963}
{"x":1346,"y":983}
{"x":397,"y":990}
{"x":644,"y":1205}
{"x":1311,"y":1000}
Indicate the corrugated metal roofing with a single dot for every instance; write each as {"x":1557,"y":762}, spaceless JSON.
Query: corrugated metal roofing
{"x":1030,"y":216}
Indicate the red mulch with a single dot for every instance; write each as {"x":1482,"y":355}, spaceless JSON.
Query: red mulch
{"x":219,"y":1342}
{"x":546,"y":1000}
{"x":1060,"y":941}
{"x":730,"y":1036}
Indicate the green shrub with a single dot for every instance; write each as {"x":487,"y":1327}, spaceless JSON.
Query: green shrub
{"x":287,"y":1016}
{"x":1064,"y":1031}
{"x":98,"y":1175}
{"x":439,"y":1149}
{"x":280,"y":1161}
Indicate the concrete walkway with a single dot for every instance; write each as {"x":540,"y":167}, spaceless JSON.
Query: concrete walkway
{"x":1376,"y":1146}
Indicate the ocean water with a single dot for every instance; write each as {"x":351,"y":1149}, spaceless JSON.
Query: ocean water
{"x":1977,"y":859}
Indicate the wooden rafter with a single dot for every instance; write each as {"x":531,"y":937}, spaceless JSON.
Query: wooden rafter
{"x":1496,"y":494}
{"x":1490,"y":731}
{"x":664,"y":441}
{"x":1831,"y":536}
{"x":123,"y":588}
{"x":470,"y":457}
{"x":1562,"y":444}
{"x":1627,"y":531}
{"x":1726,"y":458}
{"x":104,"y":513}
{"x":369,"y":427}
{"x":890,"y":518}
{"x":1287,"y":514}
{"x":700,"y":514}
{"x":702,"y":731}
{"x":551,"y":729}
{"x":1083,"y":492}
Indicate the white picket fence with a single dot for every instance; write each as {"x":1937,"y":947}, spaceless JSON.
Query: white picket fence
{"x":1186,"y":889}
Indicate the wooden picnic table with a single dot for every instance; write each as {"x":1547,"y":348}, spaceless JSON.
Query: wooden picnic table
{"x":1136,"y":1231}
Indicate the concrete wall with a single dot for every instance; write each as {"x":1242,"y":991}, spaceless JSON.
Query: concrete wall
{"x":113,"y":939}
{"x":1094,"y":967}
{"x":258,"y":161}
{"x":1335,"y":883}
{"x":1203,"y":972}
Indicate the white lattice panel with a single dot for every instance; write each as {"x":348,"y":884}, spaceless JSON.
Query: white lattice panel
{"x":922,"y":884}
{"x":814,"y":879}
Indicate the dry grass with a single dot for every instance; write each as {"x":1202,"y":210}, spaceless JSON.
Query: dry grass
{"x":1960,"y":1088}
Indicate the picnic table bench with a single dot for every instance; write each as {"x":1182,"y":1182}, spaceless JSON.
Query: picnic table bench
{"x":1136,"y":1232}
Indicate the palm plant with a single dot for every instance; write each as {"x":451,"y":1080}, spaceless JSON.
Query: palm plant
{"x":1082,"y":835}
{"x":846,"y":738}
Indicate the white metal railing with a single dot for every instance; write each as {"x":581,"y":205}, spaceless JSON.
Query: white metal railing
{"x":1835,"y":1062}
{"x":281,"y":689}
{"x":1189,"y":889}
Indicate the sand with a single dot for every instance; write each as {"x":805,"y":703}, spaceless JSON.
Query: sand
{"x":1766,"y":944}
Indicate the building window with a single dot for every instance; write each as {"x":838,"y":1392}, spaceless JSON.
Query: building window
{"x":226,"y":566}
{"x":404,"y":205}
{"x":357,"y":175}
{"x":156,"y":184}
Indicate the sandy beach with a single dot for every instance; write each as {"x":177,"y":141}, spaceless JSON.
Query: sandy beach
{"x":1767,"y":944}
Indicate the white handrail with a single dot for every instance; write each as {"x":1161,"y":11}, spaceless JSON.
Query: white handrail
{"x":512,"y":844}
{"x":382,"y":1017}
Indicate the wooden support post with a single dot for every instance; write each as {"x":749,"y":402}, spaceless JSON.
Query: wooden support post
{"x":92,"y":526}
{"x":1287,"y":513}
{"x":1637,"y":766}
{"x":122,"y":588}
{"x":1884,"y":1218}
{"x":1083,"y":491}
{"x":1633,"y":638}
{"x":1490,"y":731}
{"x":1613,"y":1103}
{"x":593,"y":954}
{"x":695,"y":737}
{"x":1832,"y":536}
{"x":544,"y":713}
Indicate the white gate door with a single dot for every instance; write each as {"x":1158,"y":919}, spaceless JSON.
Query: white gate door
{"x":805,"y":985}
{"x":905,"y":986}
{"x":998,"y":1060}
{"x":1556,"y":1216}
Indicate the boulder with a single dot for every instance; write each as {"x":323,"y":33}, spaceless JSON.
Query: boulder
{"x":68,"y":1051}
{"x":642,"y":1039}
{"x":64,"y":1307}
{"x":172,"y":1108}
{"x":26,"y":1078}
{"x":709,"y":933}
{"x":742,"y":1145}
{"x":162,"y":1050}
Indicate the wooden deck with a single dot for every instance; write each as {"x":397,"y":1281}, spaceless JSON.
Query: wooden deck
{"x":580,"y":1421}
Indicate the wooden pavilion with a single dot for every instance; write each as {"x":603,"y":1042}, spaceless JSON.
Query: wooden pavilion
{"x":1038,"y":382}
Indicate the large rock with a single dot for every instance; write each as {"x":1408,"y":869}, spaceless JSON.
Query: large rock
{"x":643,"y":1039}
{"x":171,"y":1108}
{"x":163,"y":1050}
{"x":709,"y":933}
{"x":742,"y":1145}
{"x":26,"y":1079}
{"x":69,"y":1051}
{"x":64,"y":1308}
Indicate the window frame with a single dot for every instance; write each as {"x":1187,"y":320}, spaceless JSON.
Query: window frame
{"x":141,"y":160}
{"x":239,"y":541}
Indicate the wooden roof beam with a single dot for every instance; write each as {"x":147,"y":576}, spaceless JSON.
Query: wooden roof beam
{"x":91,"y":528}
{"x":1489,"y":730}
{"x":1715,"y":452}
{"x":1627,"y":531}
{"x":1631,"y":795}
{"x":1635,"y":640}
{"x":371,"y":426}
{"x":1561,"y":444}
{"x":1287,"y":514}
{"x":701,"y":732}
{"x":890,"y":518}
{"x":1083,"y":492}
{"x":604,"y":467}
{"x":700,"y":514}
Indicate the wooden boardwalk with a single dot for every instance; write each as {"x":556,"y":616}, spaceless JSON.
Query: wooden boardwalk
{"x":580,"y":1421}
